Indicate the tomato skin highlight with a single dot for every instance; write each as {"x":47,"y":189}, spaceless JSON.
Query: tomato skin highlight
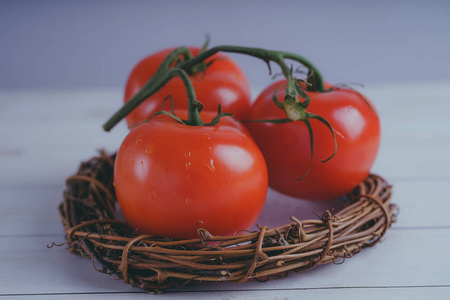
{"x":223,"y":82}
{"x":286,"y":147}
{"x":169,"y":176}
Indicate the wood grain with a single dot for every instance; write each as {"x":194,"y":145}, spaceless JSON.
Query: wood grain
{"x":43,"y":141}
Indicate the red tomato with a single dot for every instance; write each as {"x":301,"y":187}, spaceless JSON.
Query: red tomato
{"x":222,"y":82}
{"x":286,"y":147}
{"x":169,"y":176}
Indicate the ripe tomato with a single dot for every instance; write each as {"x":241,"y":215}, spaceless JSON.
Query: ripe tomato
{"x":168,"y":176}
{"x":286,"y":147}
{"x":222,"y":82}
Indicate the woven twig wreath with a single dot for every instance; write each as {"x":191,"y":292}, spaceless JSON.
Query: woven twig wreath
{"x":151,"y":263}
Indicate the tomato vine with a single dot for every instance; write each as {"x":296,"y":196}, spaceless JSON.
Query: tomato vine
{"x":294,"y":108}
{"x":293,"y":89}
{"x":294,"y":103}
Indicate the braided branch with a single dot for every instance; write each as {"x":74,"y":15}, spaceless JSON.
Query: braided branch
{"x":156,"y":263}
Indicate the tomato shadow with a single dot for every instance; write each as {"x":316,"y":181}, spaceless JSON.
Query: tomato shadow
{"x":279,"y":208}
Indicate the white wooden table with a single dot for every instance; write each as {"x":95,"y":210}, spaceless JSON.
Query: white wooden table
{"x":44,"y":135}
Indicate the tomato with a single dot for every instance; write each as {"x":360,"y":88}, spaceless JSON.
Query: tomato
{"x":222,"y":82}
{"x":169,"y":176}
{"x":286,"y":147}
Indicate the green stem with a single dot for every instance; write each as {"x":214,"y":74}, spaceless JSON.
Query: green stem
{"x":155,"y":83}
{"x":266,"y":55}
{"x":160,"y":77}
{"x":316,"y":79}
{"x":193,"y":111}
{"x":183,"y":51}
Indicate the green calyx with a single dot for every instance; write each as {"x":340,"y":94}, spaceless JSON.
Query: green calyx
{"x":306,"y":120}
{"x":296,"y":112}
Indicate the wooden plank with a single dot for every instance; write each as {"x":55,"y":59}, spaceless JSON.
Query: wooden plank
{"x":421,"y":205}
{"x":47,"y":134}
{"x":419,"y":105}
{"x":399,"y":115}
{"x":31,"y":161}
{"x":31,"y":210}
{"x":420,"y":162}
{"x":28,"y":211}
{"x":404,"y":258}
{"x":393,"y":293}
{"x":58,"y":129}
{"x":30,"y":268}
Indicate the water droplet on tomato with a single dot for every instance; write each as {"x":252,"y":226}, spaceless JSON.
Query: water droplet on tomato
{"x":188,"y":200}
{"x":210,"y":166}
{"x":139,"y":139}
{"x":132,"y":162}
{"x":188,"y":162}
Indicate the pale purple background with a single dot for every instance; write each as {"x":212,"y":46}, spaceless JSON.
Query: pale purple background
{"x":88,"y":44}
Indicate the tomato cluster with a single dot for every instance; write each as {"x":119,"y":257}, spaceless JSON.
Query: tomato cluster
{"x":170,"y":175}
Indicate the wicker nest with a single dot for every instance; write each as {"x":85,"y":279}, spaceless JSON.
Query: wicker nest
{"x":151,"y":263}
